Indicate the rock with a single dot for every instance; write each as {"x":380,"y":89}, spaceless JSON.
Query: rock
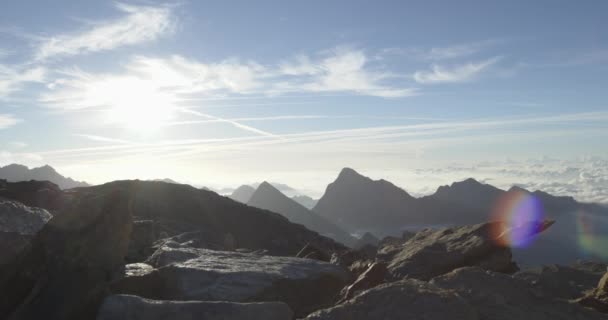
{"x":304,"y":284}
{"x":597,"y":298}
{"x":405,"y":299}
{"x":126,"y":307}
{"x":500,"y":296}
{"x":18,"y":224}
{"x":19,"y":218}
{"x":311,"y":252}
{"x":434,"y":252}
{"x":64,"y":272}
{"x":372,"y":277}
{"x":562,"y":281}
{"x":42,"y":194}
{"x":143,"y":236}
{"x":177,"y":209}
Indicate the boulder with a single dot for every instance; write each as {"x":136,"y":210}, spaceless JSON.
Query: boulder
{"x":18,"y":224}
{"x":207,"y":275}
{"x":501,"y":296}
{"x":126,"y":307}
{"x":598,"y":297}
{"x":64,"y":272}
{"x":434,"y":252}
{"x":566,"y":282}
{"x":405,"y":299}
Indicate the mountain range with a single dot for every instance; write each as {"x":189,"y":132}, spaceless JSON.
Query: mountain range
{"x":360,"y":204}
{"x":17,"y":172}
{"x":266,"y":196}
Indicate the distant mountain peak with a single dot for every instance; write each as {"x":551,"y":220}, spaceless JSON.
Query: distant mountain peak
{"x":348,"y":173}
{"x":17,"y":172}
{"x":243,"y":193}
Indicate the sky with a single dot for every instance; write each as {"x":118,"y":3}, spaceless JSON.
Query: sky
{"x":221,"y":93}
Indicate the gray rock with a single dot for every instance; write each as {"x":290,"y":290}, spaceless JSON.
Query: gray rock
{"x":562,"y":281}
{"x":465,"y":293}
{"x":201,"y":274}
{"x":126,"y":307}
{"x":500,"y":296}
{"x":64,"y":273}
{"x":434,"y":252}
{"x":18,"y":224}
{"x":405,"y":299}
{"x":19,"y":218}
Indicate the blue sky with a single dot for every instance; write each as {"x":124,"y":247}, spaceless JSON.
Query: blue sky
{"x":220,"y":93}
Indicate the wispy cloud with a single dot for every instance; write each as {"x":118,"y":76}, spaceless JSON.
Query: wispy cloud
{"x":8,"y":120}
{"x":454,"y":74}
{"x":13,"y":78}
{"x":340,"y":70}
{"x":98,"y":138}
{"x":139,"y":24}
{"x":168,"y":82}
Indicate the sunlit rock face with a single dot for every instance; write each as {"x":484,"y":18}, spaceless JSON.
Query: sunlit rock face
{"x":433,"y":252}
{"x":18,"y":224}
{"x":201,"y":274}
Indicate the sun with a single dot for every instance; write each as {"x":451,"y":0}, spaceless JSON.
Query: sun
{"x":134,"y":104}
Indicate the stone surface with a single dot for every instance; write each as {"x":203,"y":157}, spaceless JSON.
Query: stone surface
{"x":434,"y":252}
{"x":18,"y":224}
{"x":126,"y":307}
{"x":373,"y":276}
{"x":19,"y":218}
{"x":598,"y":297}
{"x":65,"y":271}
{"x":465,"y":293}
{"x":201,"y":274}
{"x":500,"y":296}
{"x":42,"y":194}
{"x":405,"y":299}
{"x":562,"y":281}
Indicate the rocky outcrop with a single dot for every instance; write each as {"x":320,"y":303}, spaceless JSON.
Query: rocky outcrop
{"x":434,"y":252}
{"x":406,"y":299}
{"x":177,"y":209}
{"x":500,"y":296}
{"x":201,"y":274}
{"x":598,"y":297}
{"x":373,"y":276}
{"x":42,"y":194}
{"x":126,"y":307}
{"x":18,"y":224}
{"x":64,"y":273}
{"x":565,"y":282}
{"x":466,"y":293}
{"x":19,"y":218}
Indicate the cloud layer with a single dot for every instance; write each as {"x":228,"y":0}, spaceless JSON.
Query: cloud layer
{"x":454,"y":74}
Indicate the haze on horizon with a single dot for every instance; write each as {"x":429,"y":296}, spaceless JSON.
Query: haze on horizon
{"x":421,"y":93}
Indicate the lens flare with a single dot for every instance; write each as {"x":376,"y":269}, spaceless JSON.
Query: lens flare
{"x":519,"y":219}
{"x":591,"y":240}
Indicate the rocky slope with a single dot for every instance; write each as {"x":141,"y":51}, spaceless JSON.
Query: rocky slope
{"x":242,"y":194}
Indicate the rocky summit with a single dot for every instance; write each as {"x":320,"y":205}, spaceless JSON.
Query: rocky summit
{"x":132,"y":250}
